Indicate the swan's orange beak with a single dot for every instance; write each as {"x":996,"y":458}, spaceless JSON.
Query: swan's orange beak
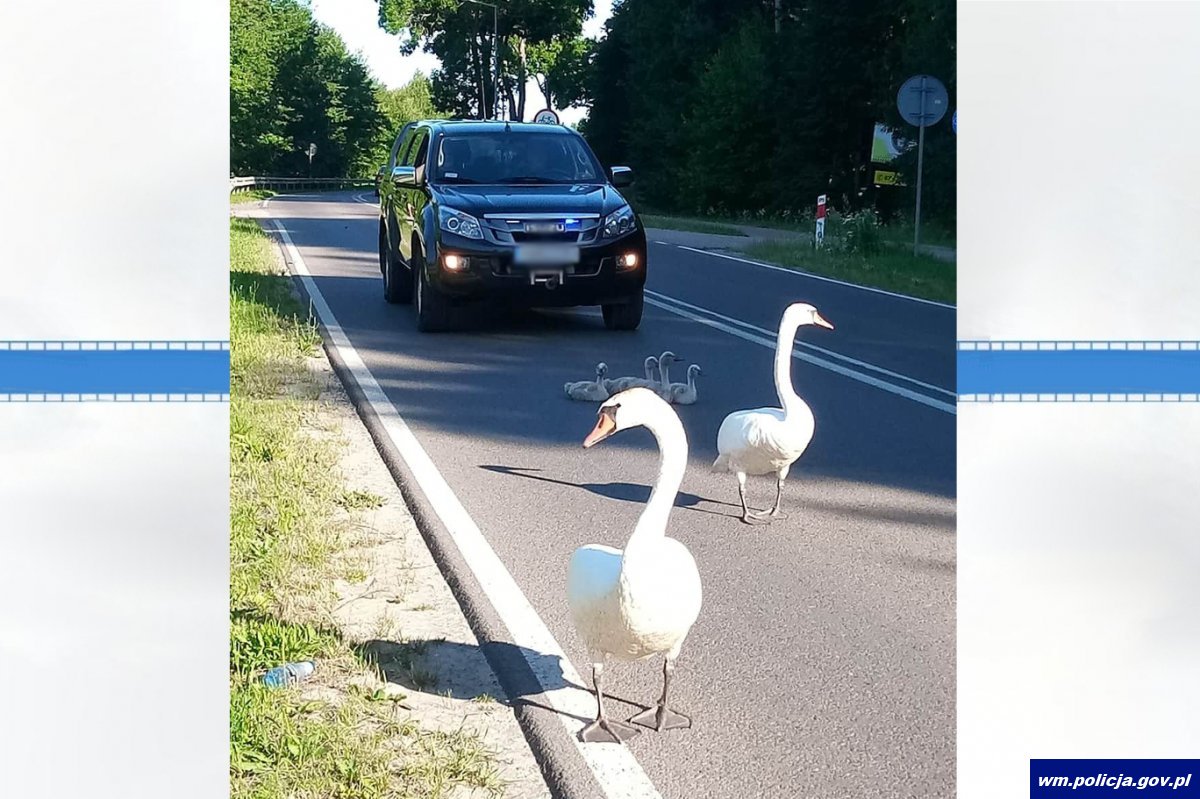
{"x":605,"y":427}
{"x":822,"y":321}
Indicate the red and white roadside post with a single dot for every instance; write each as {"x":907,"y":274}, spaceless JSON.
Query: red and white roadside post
{"x":819,"y":239}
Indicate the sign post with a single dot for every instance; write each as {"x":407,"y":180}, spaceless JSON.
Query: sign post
{"x":922,"y":101}
{"x":819,"y":239}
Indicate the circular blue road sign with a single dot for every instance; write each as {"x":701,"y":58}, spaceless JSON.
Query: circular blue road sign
{"x":922,"y":100}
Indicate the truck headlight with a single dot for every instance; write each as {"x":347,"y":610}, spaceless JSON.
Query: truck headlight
{"x":618,"y":223}
{"x":458,"y":223}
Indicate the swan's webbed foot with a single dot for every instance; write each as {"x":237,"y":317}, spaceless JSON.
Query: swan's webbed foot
{"x":607,"y":731}
{"x":751,"y":517}
{"x":661,"y":718}
{"x":604,"y":730}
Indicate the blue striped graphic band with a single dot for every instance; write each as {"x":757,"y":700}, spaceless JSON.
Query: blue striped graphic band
{"x":114,"y":371}
{"x":1078,"y":371}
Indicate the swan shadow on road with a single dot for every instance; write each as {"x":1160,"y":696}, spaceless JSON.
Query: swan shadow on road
{"x":941,"y":520}
{"x":505,"y":672}
{"x":626,"y":492}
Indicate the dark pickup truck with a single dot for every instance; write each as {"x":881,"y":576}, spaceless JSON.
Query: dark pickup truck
{"x":515,"y":213}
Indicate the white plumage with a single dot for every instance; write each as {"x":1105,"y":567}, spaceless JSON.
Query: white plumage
{"x":631,"y":613}
{"x":770,"y":440}
{"x":641,"y":601}
{"x":663,"y":386}
{"x":619,"y":384}
{"x":764,"y":440}
{"x":685,"y":393}
{"x":589,"y":390}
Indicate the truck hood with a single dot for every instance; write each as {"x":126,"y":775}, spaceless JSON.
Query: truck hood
{"x":578,"y":198}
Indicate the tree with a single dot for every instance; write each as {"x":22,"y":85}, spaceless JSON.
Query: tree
{"x":749,"y":105}
{"x":292,"y":84}
{"x":409,"y":103}
{"x":833,"y":67}
{"x":925,"y":44}
{"x":645,"y":86}
{"x":560,"y":68}
{"x":460,"y":34}
{"x":729,"y":152}
{"x":257,"y":32}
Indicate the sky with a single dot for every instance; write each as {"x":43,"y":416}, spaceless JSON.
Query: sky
{"x":356,"y":21}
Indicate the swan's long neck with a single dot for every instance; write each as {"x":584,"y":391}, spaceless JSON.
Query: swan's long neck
{"x":788,"y":398}
{"x":673,"y":449}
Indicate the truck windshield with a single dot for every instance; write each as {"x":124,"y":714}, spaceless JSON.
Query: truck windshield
{"x":515,"y":158}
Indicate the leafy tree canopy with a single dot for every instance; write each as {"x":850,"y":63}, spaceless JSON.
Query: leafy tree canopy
{"x":749,"y":105}
{"x":293,"y":83}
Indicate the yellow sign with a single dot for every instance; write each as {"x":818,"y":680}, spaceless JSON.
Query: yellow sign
{"x":886,"y":178}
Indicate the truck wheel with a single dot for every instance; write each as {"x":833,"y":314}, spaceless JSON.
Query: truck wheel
{"x":433,"y":310}
{"x":625,"y":315}
{"x":397,"y":288}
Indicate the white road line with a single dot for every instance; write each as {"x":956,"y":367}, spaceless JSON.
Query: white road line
{"x":616,"y":769}
{"x":289,"y":196}
{"x":811,"y":276}
{"x":769,"y":343}
{"x":772,"y":334}
{"x":358,"y":198}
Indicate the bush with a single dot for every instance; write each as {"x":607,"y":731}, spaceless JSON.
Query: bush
{"x":860,"y":233}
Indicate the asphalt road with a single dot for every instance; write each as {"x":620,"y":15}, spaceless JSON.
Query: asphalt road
{"x":823,"y":663}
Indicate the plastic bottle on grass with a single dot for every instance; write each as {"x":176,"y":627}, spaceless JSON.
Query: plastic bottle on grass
{"x":289,"y":674}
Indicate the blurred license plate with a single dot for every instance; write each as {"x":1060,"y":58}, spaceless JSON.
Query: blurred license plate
{"x":546,"y":254}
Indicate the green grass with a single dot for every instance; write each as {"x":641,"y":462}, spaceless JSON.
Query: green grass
{"x":250,"y":196}
{"x":285,"y":548}
{"x":893,"y":270}
{"x":901,"y":233}
{"x":800,"y":222}
{"x":360,"y":500}
{"x":898,"y":231}
{"x":689,"y":225}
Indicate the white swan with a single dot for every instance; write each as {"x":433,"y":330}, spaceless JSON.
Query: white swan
{"x":589,"y":390}
{"x":641,"y":602}
{"x":619,"y":384}
{"x":663,"y":386}
{"x":770,"y":440}
{"x":685,"y":393}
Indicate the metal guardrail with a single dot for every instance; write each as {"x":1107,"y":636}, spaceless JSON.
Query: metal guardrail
{"x":257,"y":182}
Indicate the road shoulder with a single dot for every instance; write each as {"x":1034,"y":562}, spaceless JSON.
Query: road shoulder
{"x":405,"y":614}
{"x":401,"y":668}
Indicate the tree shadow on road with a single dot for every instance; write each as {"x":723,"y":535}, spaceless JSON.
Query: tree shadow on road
{"x":506,"y":385}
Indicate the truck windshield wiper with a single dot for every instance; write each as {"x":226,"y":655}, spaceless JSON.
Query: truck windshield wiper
{"x":458,"y":179}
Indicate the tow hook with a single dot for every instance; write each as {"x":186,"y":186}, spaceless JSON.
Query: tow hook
{"x":550,"y":280}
